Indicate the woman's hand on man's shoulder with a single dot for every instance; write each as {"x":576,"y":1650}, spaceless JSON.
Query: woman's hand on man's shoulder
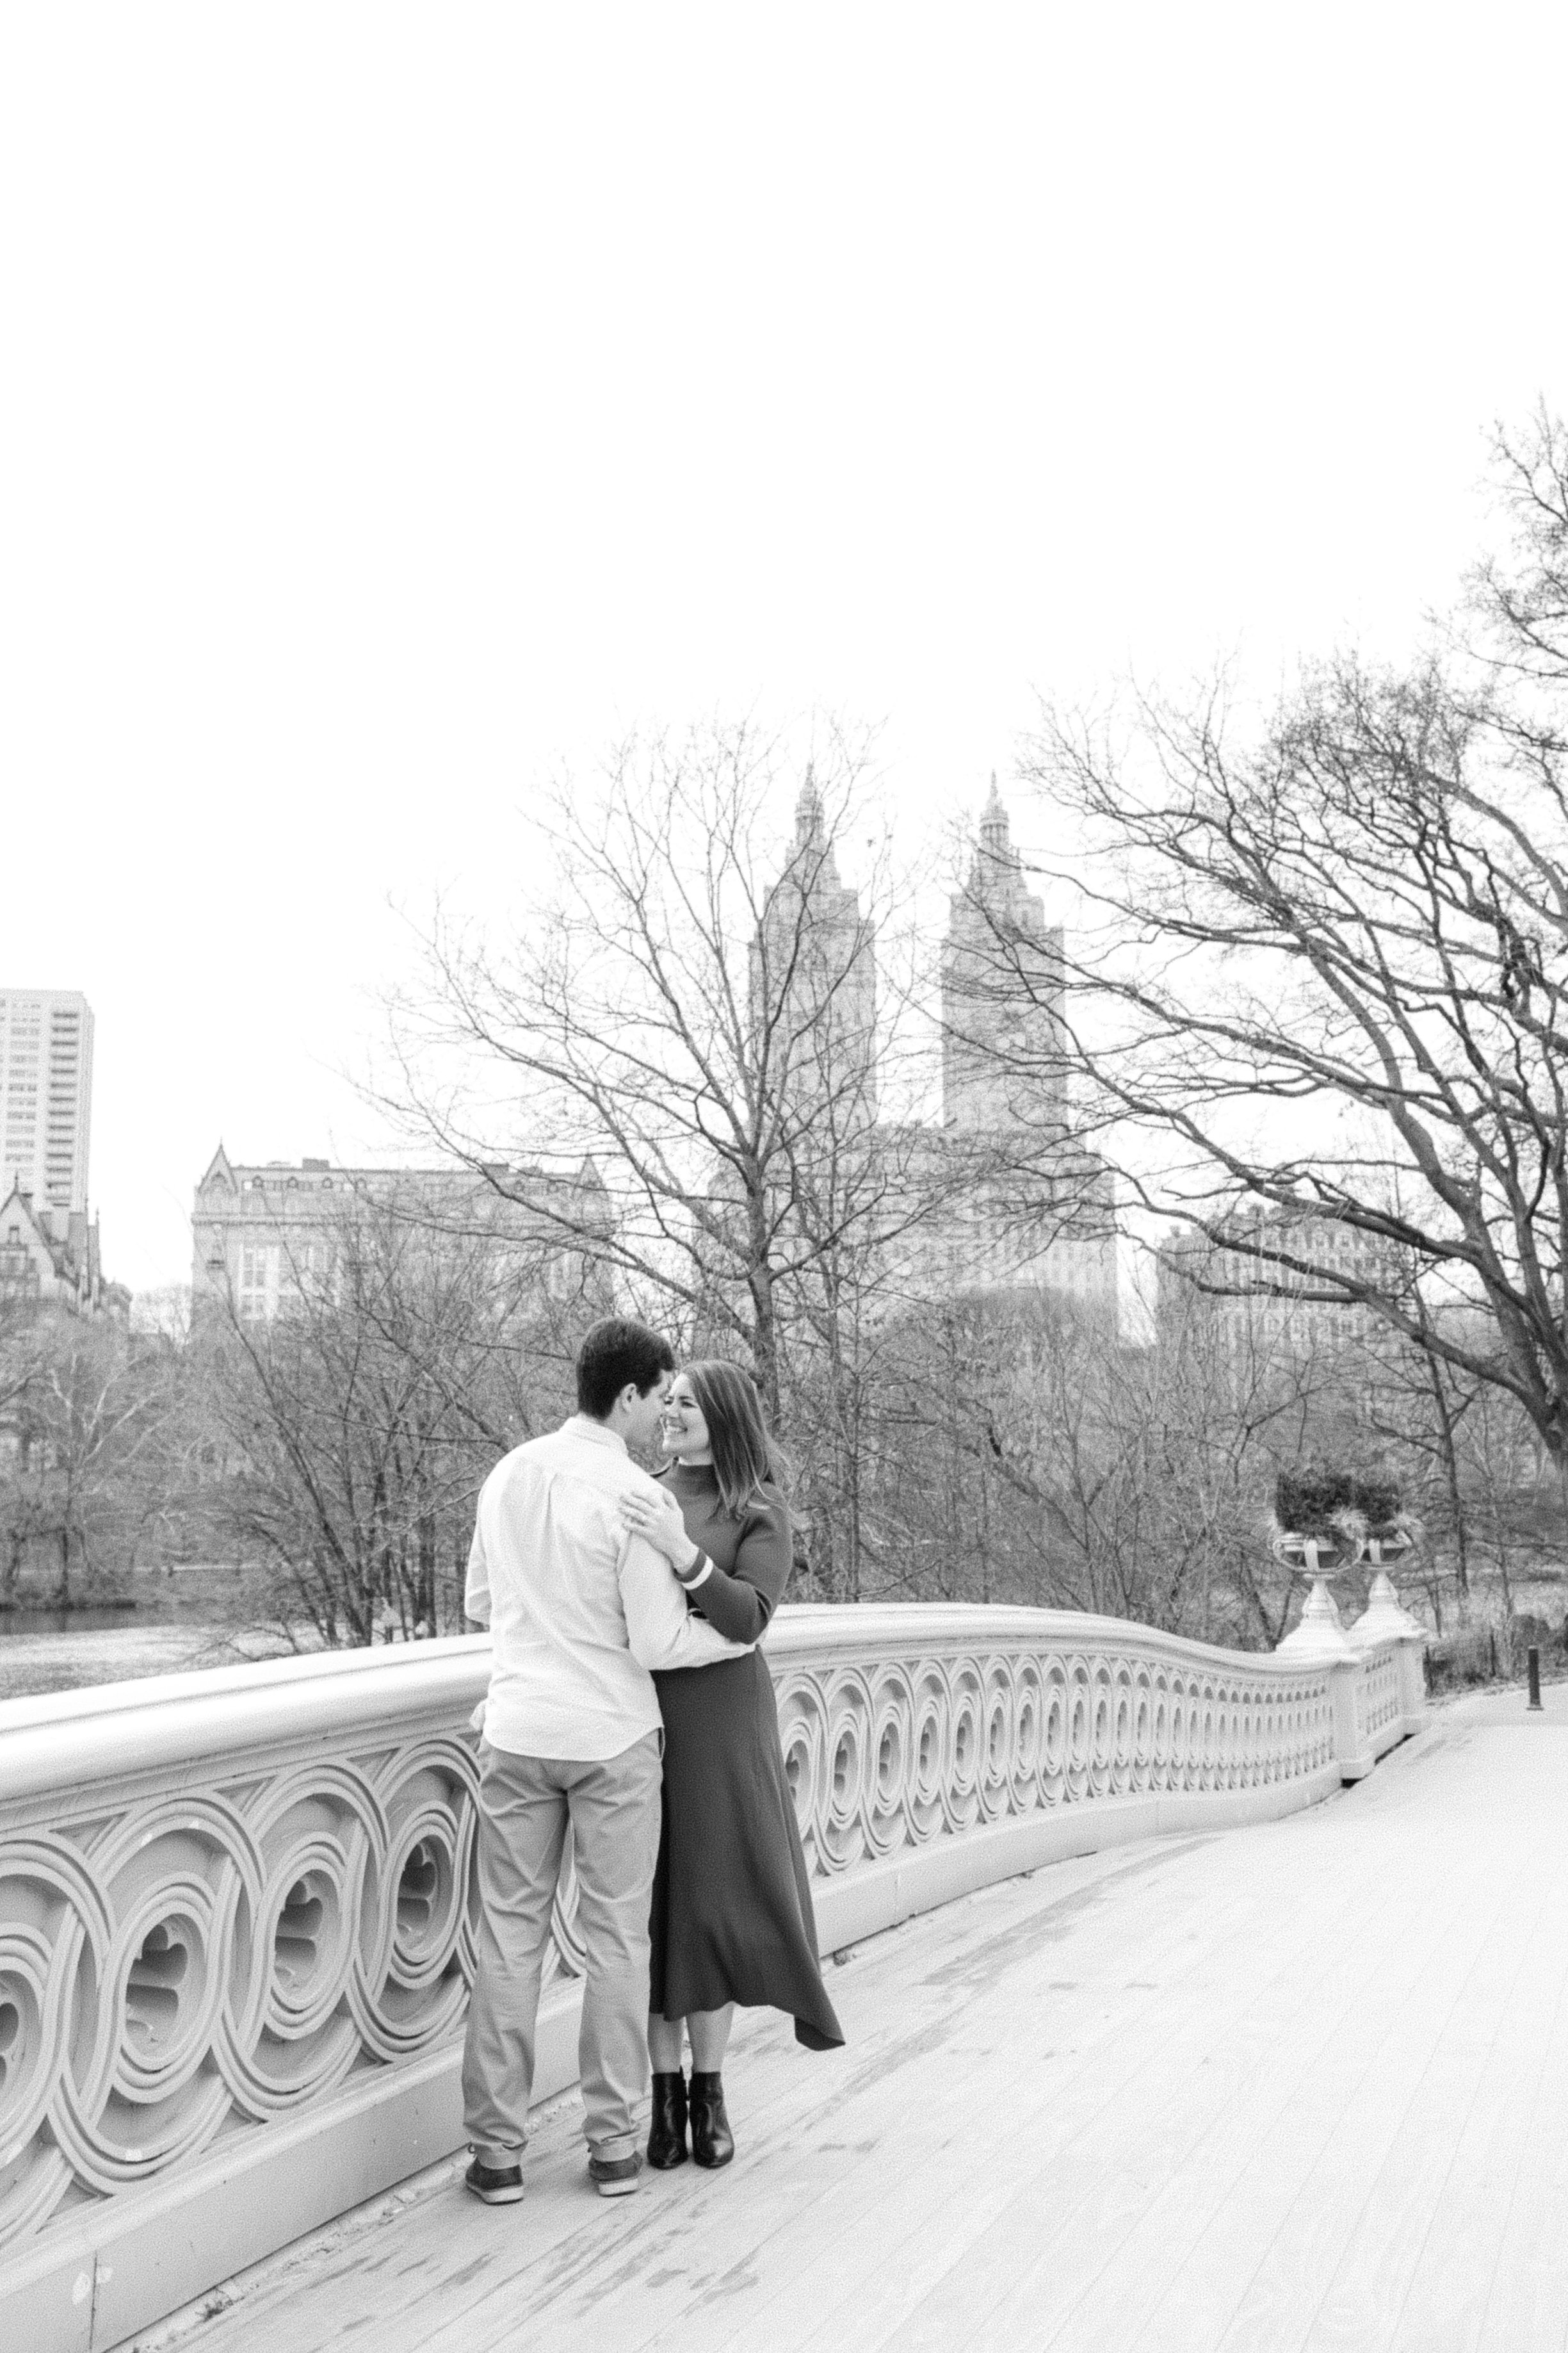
{"x":651,"y":1512}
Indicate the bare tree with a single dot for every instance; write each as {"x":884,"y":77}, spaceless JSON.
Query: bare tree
{"x":86,"y":1424}
{"x":703,"y":1004}
{"x":1325,"y":967}
{"x":1019,"y":1451}
{"x":354,"y":1431}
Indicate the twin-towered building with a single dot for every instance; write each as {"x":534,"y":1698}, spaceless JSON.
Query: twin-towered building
{"x":995,"y":1196}
{"x":815,"y":986}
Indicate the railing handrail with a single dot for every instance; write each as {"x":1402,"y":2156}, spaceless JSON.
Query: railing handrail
{"x":64,"y":1740}
{"x":197,"y":1683}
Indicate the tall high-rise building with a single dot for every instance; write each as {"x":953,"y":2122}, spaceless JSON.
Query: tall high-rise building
{"x":46,"y":1094}
{"x":814,"y":984}
{"x":1001,"y":995}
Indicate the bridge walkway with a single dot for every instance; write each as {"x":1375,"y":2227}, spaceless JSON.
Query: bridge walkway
{"x":1278,"y":2090}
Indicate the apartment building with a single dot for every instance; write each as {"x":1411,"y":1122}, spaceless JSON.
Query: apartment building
{"x":269,"y":1235}
{"x":45,"y":1096}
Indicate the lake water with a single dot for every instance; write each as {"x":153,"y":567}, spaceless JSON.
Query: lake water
{"x":205,"y":1615}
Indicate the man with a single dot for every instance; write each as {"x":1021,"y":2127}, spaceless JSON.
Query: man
{"x":580,"y":1613}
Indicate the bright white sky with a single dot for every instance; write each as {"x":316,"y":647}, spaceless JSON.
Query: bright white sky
{"x":396,"y":401}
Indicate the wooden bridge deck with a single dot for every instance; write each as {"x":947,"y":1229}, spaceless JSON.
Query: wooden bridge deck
{"x":1302,"y":2086}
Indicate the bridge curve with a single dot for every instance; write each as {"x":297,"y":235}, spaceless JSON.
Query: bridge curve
{"x":1278,"y":2089}
{"x":235,"y":1931}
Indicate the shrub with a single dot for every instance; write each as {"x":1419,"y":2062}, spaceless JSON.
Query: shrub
{"x":1461,"y":1660}
{"x":1315,"y":1501}
{"x":1527,"y":1632}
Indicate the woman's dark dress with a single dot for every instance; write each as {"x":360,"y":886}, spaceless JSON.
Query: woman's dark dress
{"x":731,"y":1904}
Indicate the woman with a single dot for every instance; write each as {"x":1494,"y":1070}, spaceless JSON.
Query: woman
{"x":731,"y":1904}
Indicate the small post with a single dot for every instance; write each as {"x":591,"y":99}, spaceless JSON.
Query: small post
{"x":1534,"y":1657}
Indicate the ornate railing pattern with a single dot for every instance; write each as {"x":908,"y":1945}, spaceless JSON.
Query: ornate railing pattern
{"x":884,"y":1753}
{"x":223,"y":1895}
{"x":212,"y":1910}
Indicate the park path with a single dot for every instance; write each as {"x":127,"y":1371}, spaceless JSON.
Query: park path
{"x":1277,"y":2090}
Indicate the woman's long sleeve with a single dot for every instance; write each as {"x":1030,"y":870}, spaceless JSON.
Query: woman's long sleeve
{"x":739,"y":1605}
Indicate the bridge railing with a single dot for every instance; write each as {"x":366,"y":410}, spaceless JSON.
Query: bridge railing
{"x":237,"y":1907}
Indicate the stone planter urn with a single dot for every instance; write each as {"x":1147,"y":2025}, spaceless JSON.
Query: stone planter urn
{"x":1322,"y":1554}
{"x":1384,"y":1619}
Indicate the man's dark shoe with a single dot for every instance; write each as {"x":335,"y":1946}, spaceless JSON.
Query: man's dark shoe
{"x":498,"y":2185}
{"x":713,"y":2142}
{"x":666,"y":2125}
{"x":614,"y":2177}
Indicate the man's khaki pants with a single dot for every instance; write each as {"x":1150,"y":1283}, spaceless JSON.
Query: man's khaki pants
{"x":525,"y":1803}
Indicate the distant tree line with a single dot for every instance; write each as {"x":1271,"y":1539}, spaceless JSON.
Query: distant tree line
{"x":1002,"y":1449}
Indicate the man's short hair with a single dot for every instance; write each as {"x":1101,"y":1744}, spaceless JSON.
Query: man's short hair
{"x":613,"y":1352}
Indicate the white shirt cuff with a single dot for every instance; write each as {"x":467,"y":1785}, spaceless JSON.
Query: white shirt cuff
{"x":691,"y":1583}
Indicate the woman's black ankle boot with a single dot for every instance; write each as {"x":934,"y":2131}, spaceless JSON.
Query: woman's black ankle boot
{"x":666,"y":2125}
{"x":713,"y":2142}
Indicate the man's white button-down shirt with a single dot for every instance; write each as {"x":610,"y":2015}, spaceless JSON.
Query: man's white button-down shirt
{"x":578,"y":1611}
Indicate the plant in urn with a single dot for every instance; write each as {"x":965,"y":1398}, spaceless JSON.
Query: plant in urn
{"x":1319,"y":1531}
{"x":1389,"y":1534}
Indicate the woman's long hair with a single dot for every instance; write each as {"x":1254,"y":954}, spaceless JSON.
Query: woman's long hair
{"x":743,"y":1453}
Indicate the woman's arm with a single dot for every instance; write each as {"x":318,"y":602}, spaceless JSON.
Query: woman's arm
{"x":661,"y":1631}
{"x":739,"y":1605}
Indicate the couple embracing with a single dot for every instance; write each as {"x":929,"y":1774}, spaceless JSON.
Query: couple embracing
{"x":628,"y":1698}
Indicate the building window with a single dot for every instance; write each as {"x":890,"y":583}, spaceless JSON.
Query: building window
{"x":255,"y":1280}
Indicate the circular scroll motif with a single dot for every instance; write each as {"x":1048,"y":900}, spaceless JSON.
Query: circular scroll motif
{"x":803,"y":1735}
{"x":1028,"y":1757}
{"x":1160,"y":1730}
{"x":930,"y":1732}
{"x":1057,"y":1701}
{"x":842,"y":1825}
{"x":889,"y":1760}
{"x":965,"y":1746}
{"x":1080,"y":1727}
{"x":998,"y":1709}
